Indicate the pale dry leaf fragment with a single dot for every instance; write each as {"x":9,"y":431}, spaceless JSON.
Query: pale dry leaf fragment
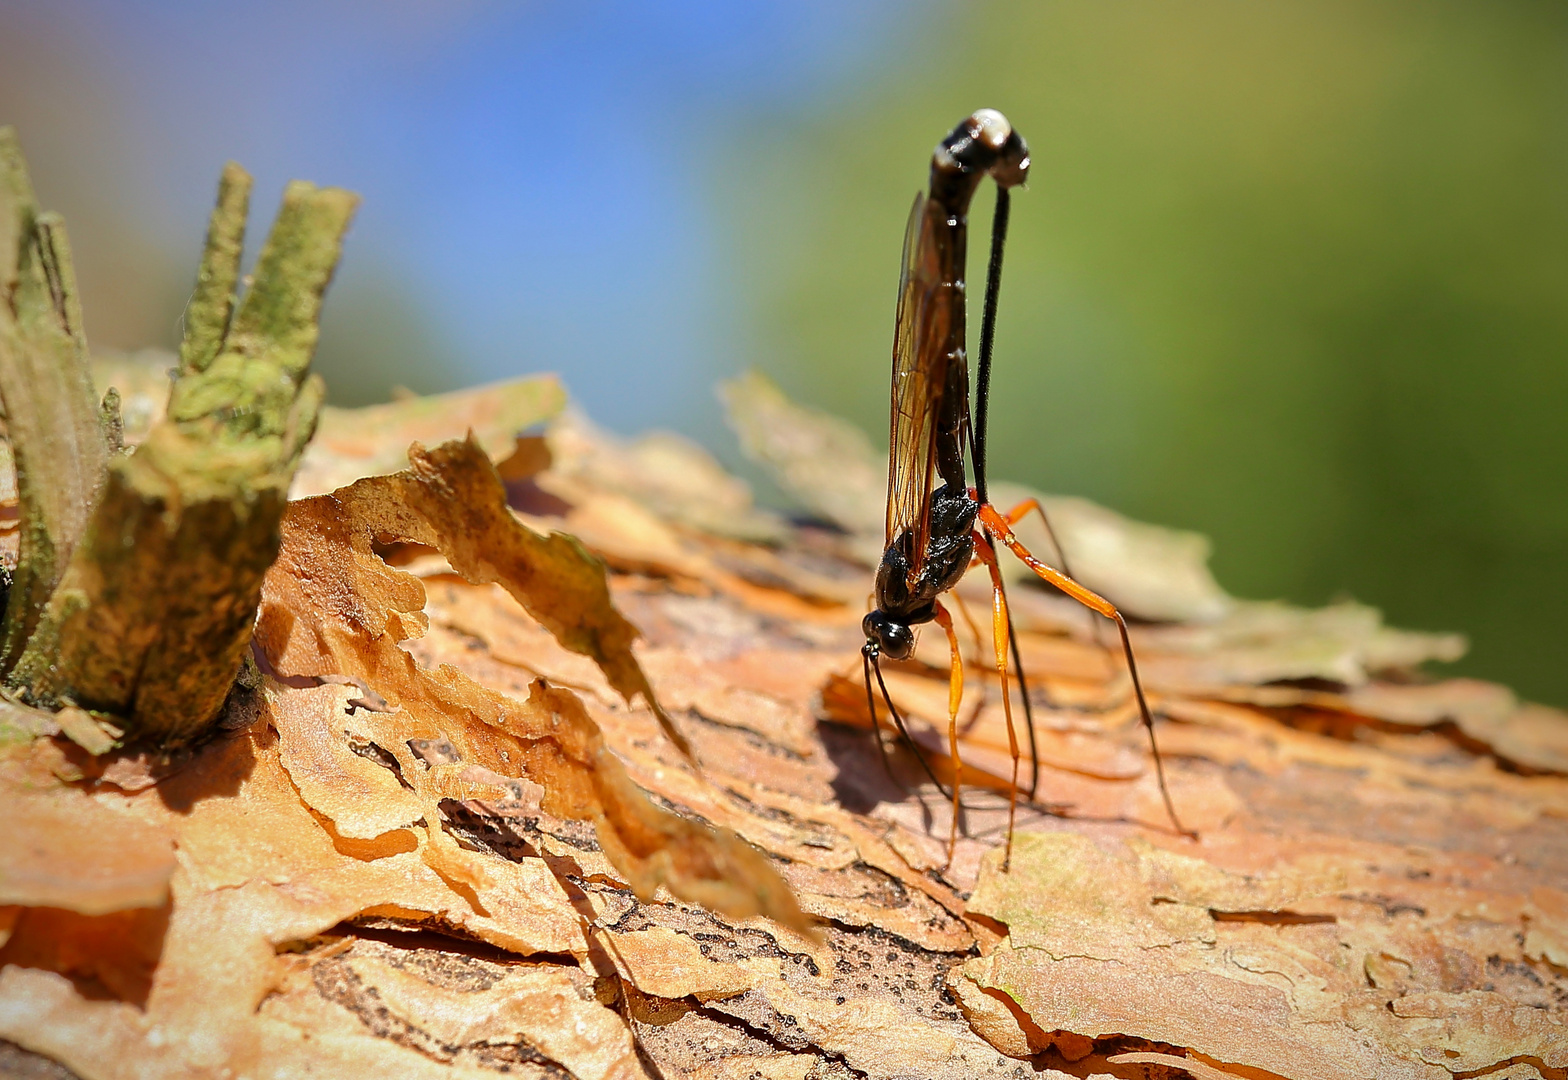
{"x":374,"y":440}
{"x":86,"y":731}
{"x":20,"y":724}
{"x":1264,"y":641}
{"x":825,"y":463}
{"x":61,"y":848}
{"x":667,"y":473}
{"x":452,"y":499}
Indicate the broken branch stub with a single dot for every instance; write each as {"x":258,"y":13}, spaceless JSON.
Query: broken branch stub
{"x":154,"y":611}
{"x":212,"y":302}
{"x":52,"y":415}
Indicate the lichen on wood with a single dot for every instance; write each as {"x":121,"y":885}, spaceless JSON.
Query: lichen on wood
{"x":52,"y":417}
{"x":141,"y":605}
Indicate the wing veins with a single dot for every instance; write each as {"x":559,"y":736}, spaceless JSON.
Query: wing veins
{"x":919,"y":380}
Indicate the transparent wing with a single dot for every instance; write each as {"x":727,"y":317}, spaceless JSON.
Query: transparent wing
{"x":919,"y":377}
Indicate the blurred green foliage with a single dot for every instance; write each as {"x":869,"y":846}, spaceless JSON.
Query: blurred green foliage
{"x":1292,"y":274}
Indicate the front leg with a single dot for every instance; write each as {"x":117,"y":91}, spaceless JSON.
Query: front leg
{"x":955,"y":697}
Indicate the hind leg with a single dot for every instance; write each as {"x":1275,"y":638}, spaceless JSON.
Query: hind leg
{"x":1001,"y":636}
{"x":1021,"y":511}
{"x":996,"y":526}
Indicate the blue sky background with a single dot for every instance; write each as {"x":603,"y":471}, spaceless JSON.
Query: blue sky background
{"x":536,"y":176}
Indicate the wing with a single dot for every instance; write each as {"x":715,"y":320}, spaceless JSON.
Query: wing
{"x":919,"y":377}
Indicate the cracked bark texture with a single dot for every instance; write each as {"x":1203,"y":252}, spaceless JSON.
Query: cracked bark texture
{"x":1378,"y":888}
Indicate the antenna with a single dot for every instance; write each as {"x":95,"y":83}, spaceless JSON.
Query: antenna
{"x":993,"y":286}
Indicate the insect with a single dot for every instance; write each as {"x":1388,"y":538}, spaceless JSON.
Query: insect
{"x":938,"y":524}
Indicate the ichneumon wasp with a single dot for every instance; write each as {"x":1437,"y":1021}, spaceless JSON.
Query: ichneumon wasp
{"x":938,"y":524}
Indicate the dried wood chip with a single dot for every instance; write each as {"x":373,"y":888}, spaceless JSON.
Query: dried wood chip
{"x":665,"y":964}
{"x":361,"y":796}
{"x":452,"y":499}
{"x":332,"y":607}
{"x":61,"y":848}
{"x":538,"y":1004}
{"x":86,"y":731}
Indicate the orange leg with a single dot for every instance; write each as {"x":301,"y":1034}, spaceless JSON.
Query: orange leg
{"x":955,"y":697}
{"x":1018,"y":660}
{"x":999,"y":529}
{"x":1019,"y":512}
{"x":999,"y":641}
{"x":969,"y":620}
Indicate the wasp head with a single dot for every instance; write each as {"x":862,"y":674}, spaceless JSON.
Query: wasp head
{"x":887,"y":636}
